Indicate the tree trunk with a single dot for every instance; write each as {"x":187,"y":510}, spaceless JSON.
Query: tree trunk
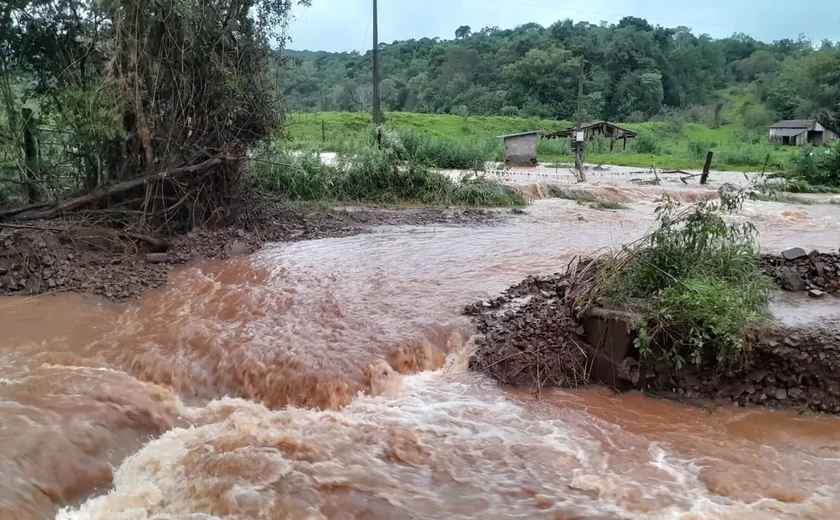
{"x":30,"y":152}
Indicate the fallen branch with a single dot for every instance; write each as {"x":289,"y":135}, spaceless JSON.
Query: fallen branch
{"x":10,"y":212}
{"x":108,"y":191}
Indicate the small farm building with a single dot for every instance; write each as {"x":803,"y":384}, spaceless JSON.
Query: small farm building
{"x":520,"y":149}
{"x":799,"y":132}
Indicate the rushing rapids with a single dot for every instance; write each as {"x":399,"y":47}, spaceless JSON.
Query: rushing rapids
{"x":327,"y":379}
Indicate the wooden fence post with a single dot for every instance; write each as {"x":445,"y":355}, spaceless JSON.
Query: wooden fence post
{"x":707,"y":168}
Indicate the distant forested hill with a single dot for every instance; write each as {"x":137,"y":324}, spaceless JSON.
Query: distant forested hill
{"x":633,"y":72}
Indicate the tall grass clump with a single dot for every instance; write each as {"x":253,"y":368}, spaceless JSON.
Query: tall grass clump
{"x":696,"y":281}
{"x":374,"y":175}
{"x":421,"y":148}
{"x":554,"y":147}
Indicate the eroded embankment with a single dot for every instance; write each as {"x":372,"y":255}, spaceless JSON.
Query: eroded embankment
{"x":530,"y":338}
{"x":49,"y":257}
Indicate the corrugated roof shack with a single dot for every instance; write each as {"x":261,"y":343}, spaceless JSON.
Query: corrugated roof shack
{"x":521,"y":149}
{"x":799,"y":132}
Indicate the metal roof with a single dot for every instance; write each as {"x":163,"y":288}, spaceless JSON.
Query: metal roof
{"x":517,"y":135}
{"x":795,"y":123}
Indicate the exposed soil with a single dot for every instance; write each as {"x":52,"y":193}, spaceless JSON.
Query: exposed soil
{"x":52,"y":256}
{"x":529,"y":339}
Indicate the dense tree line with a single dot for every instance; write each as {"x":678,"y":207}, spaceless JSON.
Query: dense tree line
{"x":633,"y":71}
{"x":136,"y":95}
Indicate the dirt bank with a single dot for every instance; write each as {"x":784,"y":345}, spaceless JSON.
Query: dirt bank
{"x":529,"y":339}
{"x":46,"y":257}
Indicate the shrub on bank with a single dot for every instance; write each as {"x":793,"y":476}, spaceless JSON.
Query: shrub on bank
{"x":696,"y":281}
{"x":818,"y":166}
{"x":646,"y":142}
{"x":373,"y":175}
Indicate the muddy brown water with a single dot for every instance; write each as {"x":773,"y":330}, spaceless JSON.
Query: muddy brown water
{"x":327,"y":379}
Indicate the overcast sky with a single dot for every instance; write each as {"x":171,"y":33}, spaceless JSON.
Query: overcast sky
{"x":344,"y":25}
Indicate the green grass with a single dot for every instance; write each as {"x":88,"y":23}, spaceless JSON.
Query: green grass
{"x":675,"y":146}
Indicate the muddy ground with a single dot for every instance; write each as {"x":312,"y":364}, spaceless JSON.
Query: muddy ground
{"x":65,"y":256}
{"x":530,"y":339}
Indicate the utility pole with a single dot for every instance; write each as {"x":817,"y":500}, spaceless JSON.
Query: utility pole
{"x":578,"y":140}
{"x":377,"y":108}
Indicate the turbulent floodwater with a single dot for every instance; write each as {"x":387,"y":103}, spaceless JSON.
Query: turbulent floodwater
{"x":327,"y":379}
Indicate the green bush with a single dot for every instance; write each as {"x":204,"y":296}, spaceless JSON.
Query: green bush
{"x":583,"y":197}
{"x":695,"y":279}
{"x":710,"y":313}
{"x":699,"y":149}
{"x":748,"y":155}
{"x":554,"y":147}
{"x":475,"y":190}
{"x":820,"y":166}
{"x":597,"y":144}
{"x":509,"y":111}
{"x":646,"y":142}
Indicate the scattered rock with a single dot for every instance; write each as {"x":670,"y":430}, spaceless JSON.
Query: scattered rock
{"x":795,"y":392}
{"x":804,"y":273}
{"x":794,"y":253}
{"x":781,"y":394}
{"x":757,"y":376}
{"x":157,"y":258}
{"x":792,"y":281}
{"x":816,"y":293}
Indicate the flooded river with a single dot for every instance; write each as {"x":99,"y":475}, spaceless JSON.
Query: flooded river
{"x":327,"y":379}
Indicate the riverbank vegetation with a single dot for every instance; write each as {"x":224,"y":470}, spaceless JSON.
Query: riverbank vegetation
{"x":137,"y":114}
{"x":695,"y":280}
{"x":394,"y":174}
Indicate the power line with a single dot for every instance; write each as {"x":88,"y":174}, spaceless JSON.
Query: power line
{"x":367,"y":29}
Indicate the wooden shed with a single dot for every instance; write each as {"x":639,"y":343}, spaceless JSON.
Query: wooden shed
{"x":521,"y":149}
{"x":607,"y":130}
{"x":799,"y":132}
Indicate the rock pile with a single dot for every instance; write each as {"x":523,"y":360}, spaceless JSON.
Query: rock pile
{"x":529,"y":338}
{"x":788,"y":368}
{"x":796,"y":270}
